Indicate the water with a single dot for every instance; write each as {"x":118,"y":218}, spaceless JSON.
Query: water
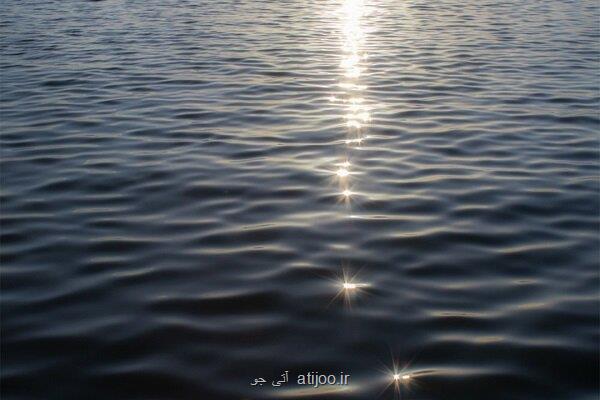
{"x":186,"y":186}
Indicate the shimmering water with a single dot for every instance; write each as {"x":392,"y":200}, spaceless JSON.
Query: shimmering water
{"x":187,"y":186}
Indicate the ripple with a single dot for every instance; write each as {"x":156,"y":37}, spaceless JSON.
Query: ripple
{"x":186,"y":187}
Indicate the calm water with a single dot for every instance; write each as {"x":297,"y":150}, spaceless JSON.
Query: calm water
{"x":186,"y":186}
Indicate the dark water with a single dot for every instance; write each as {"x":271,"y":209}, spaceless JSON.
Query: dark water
{"x":186,"y":184}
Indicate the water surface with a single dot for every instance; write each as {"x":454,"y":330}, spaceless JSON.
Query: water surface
{"x":186,"y":186}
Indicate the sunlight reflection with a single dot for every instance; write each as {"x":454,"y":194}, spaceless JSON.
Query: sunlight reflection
{"x":353,"y":124}
{"x":354,"y":141}
{"x":346,"y":196}
{"x":349,"y":287}
{"x":353,"y":64}
{"x":396,"y":378}
{"x":357,"y":114}
{"x":362,"y":116}
{"x":342,"y":172}
{"x":357,"y":117}
{"x":351,"y":86}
